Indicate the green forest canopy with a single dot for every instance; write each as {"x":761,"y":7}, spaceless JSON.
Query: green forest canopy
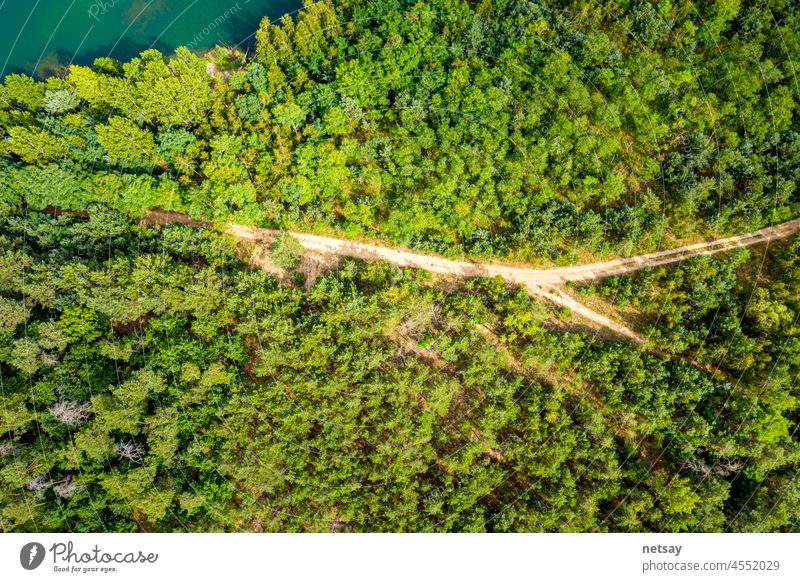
{"x":533,"y":130}
{"x":151,"y":381}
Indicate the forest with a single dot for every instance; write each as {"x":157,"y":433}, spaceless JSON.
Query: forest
{"x":534,"y":130}
{"x":153,"y":379}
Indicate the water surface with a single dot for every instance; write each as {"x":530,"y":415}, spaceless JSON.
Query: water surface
{"x":40,"y":36}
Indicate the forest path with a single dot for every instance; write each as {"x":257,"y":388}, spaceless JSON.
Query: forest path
{"x":539,"y":282}
{"x":521,"y":275}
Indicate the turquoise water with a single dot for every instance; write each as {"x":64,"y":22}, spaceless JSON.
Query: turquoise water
{"x":40,"y":36}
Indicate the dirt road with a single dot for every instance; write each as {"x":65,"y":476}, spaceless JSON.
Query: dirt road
{"x":540,"y":282}
{"x":521,"y":275}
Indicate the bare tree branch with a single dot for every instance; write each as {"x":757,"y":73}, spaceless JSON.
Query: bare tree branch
{"x":132,"y":451}
{"x":71,"y":413}
{"x":64,"y":489}
{"x":39,"y":484}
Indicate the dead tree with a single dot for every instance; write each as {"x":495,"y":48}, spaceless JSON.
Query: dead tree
{"x":64,"y":489}
{"x":71,"y":413}
{"x":132,"y":451}
{"x":39,"y":484}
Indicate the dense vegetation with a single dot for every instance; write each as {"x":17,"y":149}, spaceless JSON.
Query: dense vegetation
{"x":151,"y":381}
{"x":507,"y":128}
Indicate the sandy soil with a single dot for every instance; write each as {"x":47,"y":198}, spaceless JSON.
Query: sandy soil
{"x":539,"y":282}
{"x":521,"y":275}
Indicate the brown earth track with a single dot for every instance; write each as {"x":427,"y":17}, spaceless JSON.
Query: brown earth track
{"x":539,"y":282}
{"x":521,"y":275}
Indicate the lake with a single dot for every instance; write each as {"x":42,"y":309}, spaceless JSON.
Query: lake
{"x":40,"y":36}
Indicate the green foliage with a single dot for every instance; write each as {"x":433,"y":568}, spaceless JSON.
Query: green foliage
{"x":60,"y":101}
{"x":36,"y":146}
{"x":124,"y":140}
{"x":24,"y":92}
{"x":172,"y":142}
{"x":532,"y":131}
{"x":286,"y":251}
{"x":151,"y":88}
{"x":80,"y":325}
{"x":12,"y":314}
{"x":214,"y":398}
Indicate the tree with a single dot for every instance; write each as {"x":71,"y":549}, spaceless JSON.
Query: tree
{"x":286,"y":251}
{"x":60,"y":101}
{"x":71,"y":413}
{"x":25,"y":92}
{"x":37,"y":146}
{"x":181,"y":82}
{"x":12,"y":314}
{"x":125,"y":141}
